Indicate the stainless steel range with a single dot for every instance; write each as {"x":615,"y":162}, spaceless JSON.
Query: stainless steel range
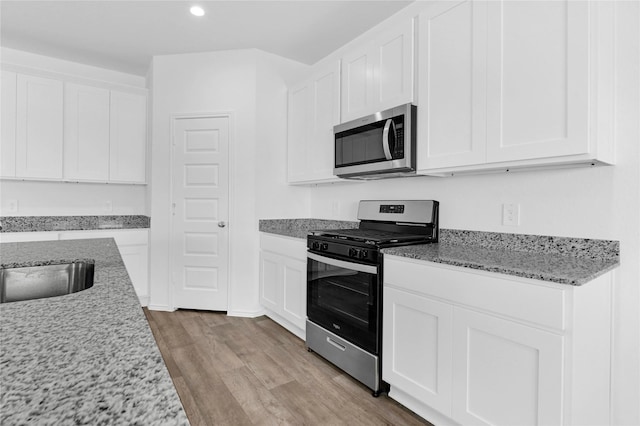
{"x":344,"y":283}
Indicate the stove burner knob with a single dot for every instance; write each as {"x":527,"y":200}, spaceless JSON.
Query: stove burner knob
{"x":324,"y":246}
{"x":315,"y":245}
{"x":363,"y":254}
{"x":353,"y":252}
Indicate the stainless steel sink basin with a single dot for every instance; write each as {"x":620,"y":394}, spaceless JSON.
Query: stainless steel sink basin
{"x":37,"y":282}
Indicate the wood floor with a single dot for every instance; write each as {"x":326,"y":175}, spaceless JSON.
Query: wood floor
{"x":251,"y":371}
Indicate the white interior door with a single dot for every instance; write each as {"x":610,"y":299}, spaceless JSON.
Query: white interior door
{"x":200,"y":203}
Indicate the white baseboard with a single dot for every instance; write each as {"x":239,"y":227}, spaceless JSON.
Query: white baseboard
{"x":421,"y":409}
{"x":164,"y":308}
{"x":246,"y":314}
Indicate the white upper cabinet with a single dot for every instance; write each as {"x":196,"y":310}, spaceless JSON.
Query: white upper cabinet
{"x":314,"y":108}
{"x":513,"y":84}
{"x":62,"y":130}
{"x":538,"y":79}
{"x":86,"y":133}
{"x":298,"y":134}
{"x":452,"y":92}
{"x":128,"y":140}
{"x":379,"y":75}
{"x":39,"y":129}
{"x":8,"y":125}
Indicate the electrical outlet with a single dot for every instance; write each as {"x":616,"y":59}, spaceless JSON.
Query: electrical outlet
{"x":108,"y":206}
{"x":511,"y":214}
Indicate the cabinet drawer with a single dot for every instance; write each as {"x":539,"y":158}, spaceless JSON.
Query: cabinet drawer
{"x":516,"y":298}
{"x":287,"y":246}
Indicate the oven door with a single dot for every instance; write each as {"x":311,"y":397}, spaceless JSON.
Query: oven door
{"x":344,"y":298}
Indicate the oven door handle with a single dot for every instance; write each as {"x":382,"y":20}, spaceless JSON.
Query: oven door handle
{"x":367,"y":269}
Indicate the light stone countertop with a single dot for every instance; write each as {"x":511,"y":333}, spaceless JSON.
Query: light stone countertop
{"x":563,"y":260}
{"x":72,"y":223}
{"x":84,"y":358}
{"x":561,"y":269}
{"x":298,"y":228}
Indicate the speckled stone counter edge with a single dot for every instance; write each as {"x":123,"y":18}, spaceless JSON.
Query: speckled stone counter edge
{"x":72,"y":223}
{"x":542,"y":244}
{"x":298,"y":228}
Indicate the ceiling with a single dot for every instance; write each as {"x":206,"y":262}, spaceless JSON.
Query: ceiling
{"x":124,"y":35}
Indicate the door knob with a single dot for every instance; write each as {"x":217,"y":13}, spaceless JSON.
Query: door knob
{"x":222,"y":224}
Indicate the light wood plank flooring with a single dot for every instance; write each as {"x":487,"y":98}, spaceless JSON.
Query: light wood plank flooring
{"x":251,"y":371}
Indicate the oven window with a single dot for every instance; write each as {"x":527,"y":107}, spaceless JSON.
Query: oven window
{"x":344,"y":301}
{"x":345,"y":293}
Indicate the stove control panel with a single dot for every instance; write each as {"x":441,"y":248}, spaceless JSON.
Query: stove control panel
{"x":345,"y":250}
{"x":358,"y":253}
{"x":392,"y":208}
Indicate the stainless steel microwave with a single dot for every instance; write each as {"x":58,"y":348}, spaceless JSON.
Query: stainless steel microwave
{"x":378,"y":146}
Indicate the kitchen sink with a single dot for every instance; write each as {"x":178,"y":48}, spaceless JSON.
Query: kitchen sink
{"x":37,"y":282}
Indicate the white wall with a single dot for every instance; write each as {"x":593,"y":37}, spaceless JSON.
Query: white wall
{"x":222,"y":82}
{"x":601,"y":202}
{"x":37,"y":198}
{"x":71,"y":199}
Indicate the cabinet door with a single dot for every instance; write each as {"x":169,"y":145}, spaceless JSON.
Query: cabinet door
{"x":128,"y":140}
{"x":136,"y":259}
{"x":86,"y":133}
{"x":378,"y":75}
{"x":314,"y":108}
{"x":538,"y":69}
{"x":133,"y":246}
{"x":294,"y":291}
{"x":298,"y":135}
{"x":505,"y":373}
{"x":8,"y":126}
{"x":452,"y":90}
{"x":325,"y":98}
{"x":417,"y":347}
{"x":393,"y":69}
{"x":39,"y":128}
{"x":356,"y":81}
{"x":270,"y":276}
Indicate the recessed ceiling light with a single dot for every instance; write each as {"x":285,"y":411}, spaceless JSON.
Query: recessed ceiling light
{"x":197,"y":11}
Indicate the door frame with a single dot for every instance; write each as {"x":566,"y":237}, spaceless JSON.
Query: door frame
{"x":232,"y":155}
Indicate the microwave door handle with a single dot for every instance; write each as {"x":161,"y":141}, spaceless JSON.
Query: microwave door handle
{"x":342,"y":264}
{"x":389,"y":125}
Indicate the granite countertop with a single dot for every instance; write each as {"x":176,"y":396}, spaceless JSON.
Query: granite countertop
{"x":72,"y":223}
{"x":84,"y":358}
{"x":562,"y":269}
{"x":563,"y":260}
{"x":298,"y":228}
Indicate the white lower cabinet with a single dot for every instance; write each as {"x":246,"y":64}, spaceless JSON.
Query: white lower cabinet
{"x":283,"y":281}
{"x":417,"y":348}
{"x":505,"y":373}
{"x":477,"y":348}
{"x":133,"y":245}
